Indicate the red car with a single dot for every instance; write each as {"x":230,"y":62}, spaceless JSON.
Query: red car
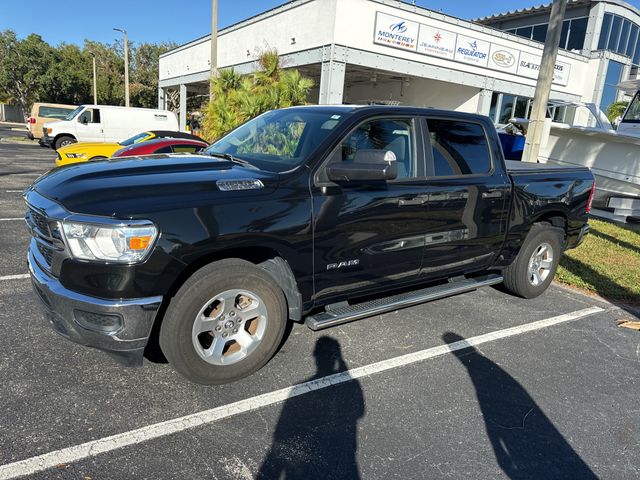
{"x":162,"y":145}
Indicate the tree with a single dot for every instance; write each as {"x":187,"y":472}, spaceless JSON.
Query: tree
{"x":615,"y":110}
{"x":238,"y":98}
{"x":145,"y":73}
{"x":69,"y":78}
{"x":23,"y":65}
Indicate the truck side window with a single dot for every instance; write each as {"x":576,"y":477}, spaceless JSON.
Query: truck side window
{"x":90,"y":115}
{"x":459,"y":148}
{"x":394,"y":135}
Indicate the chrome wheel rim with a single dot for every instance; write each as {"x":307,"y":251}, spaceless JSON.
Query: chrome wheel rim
{"x":64,"y":143}
{"x":229,"y":327}
{"x":540,"y":264}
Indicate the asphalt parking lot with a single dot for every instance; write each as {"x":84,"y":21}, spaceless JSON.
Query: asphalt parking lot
{"x":481,"y":385}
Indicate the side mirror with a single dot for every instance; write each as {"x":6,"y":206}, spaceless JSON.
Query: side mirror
{"x":367,"y":165}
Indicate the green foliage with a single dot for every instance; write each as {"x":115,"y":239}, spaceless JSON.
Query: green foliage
{"x":615,"y":110}
{"x":238,"y":98}
{"x":23,"y":66}
{"x":31,"y":70}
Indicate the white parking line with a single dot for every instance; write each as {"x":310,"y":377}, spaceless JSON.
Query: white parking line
{"x":150,"y":432}
{"x":15,"y":277}
{"x":14,"y":191}
{"x":11,"y":219}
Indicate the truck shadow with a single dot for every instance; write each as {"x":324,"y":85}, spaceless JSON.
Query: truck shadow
{"x":604,"y":286}
{"x":316,"y":434}
{"x":525,"y":442}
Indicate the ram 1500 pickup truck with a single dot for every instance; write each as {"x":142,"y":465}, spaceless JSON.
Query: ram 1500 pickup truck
{"x":321,"y":214}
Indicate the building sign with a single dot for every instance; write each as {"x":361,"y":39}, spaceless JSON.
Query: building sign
{"x":396,"y":32}
{"x":503,"y":58}
{"x":416,"y":37}
{"x":529,"y":66}
{"x":437,"y":42}
{"x":473,"y":51}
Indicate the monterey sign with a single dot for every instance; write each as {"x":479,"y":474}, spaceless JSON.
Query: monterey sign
{"x":416,"y":37}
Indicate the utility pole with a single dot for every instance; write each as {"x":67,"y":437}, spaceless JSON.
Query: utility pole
{"x":126,"y":67}
{"x":95,"y":81}
{"x":543,"y":86}
{"x":214,"y":44}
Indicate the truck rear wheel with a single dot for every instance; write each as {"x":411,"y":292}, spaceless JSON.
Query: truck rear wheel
{"x":533,"y":270}
{"x":224,"y":323}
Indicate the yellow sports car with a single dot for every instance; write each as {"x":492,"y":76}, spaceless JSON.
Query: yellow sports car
{"x":86,"y":151}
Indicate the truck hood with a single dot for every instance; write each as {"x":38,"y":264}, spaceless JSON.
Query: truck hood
{"x":134,"y":186}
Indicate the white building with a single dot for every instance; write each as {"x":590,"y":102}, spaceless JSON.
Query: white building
{"x":362,"y":51}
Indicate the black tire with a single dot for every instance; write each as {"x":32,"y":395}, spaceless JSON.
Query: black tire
{"x":517,"y":277}
{"x":176,"y":339}
{"x":63,"y":140}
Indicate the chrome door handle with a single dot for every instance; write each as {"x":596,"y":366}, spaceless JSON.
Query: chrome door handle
{"x":411,"y":201}
{"x":493,"y":193}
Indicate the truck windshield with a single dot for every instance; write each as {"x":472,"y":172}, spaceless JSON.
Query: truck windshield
{"x":75,"y":113}
{"x":279,"y":140}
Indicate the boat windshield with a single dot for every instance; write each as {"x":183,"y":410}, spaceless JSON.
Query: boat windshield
{"x":632,"y":115}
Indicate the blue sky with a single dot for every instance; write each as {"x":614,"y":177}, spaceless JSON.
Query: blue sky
{"x":169,"y":20}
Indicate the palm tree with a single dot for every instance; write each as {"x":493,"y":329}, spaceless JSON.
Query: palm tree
{"x":238,"y":98}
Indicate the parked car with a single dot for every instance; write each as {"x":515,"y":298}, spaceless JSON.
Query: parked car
{"x":104,"y":123}
{"x":46,"y":112}
{"x":322,"y":214}
{"x":162,"y":145}
{"x":86,"y":151}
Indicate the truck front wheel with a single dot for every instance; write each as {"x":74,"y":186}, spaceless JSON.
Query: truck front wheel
{"x":535,"y":266}
{"x":63,"y":141}
{"x":224,"y":323}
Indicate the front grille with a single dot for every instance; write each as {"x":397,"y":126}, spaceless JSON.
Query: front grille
{"x":46,"y":252}
{"x":40,"y":221}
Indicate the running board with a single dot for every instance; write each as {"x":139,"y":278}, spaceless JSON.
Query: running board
{"x":343,"y":313}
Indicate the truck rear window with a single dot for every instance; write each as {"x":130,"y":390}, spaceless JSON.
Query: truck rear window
{"x":459,"y":148}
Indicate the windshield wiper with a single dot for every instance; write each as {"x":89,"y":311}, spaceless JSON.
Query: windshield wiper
{"x":231,"y":158}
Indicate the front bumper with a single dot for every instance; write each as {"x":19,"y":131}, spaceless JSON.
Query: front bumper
{"x":118,"y":327}
{"x":46,"y":141}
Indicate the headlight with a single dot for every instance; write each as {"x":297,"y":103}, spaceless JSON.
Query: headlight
{"x":76,"y":155}
{"x":122,"y":244}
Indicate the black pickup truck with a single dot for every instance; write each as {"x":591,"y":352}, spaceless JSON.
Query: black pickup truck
{"x":322,"y":214}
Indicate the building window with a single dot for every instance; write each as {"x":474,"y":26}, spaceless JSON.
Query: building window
{"x":540,"y":32}
{"x":604,"y":31}
{"x":577,"y":34}
{"x":633,"y":40}
{"x":613,"y":77}
{"x":572,"y":36}
{"x":619,"y":35}
{"x":614,"y":35}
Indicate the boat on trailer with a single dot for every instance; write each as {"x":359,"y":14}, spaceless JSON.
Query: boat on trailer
{"x":613,"y":155}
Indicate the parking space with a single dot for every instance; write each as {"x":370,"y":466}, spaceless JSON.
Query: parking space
{"x":520,"y":400}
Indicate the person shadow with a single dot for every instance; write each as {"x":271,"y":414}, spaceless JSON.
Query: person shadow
{"x":525,"y":442}
{"x":316,"y":436}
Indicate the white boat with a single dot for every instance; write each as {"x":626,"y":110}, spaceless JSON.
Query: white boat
{"x":613,"y":155}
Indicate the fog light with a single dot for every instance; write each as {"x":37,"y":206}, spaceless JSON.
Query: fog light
{"x":98,"y":322}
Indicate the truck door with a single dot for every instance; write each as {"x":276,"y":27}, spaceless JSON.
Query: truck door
{"x":90,"y":126}
{"x":468,"y":193}
{"x":370,"y":234}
